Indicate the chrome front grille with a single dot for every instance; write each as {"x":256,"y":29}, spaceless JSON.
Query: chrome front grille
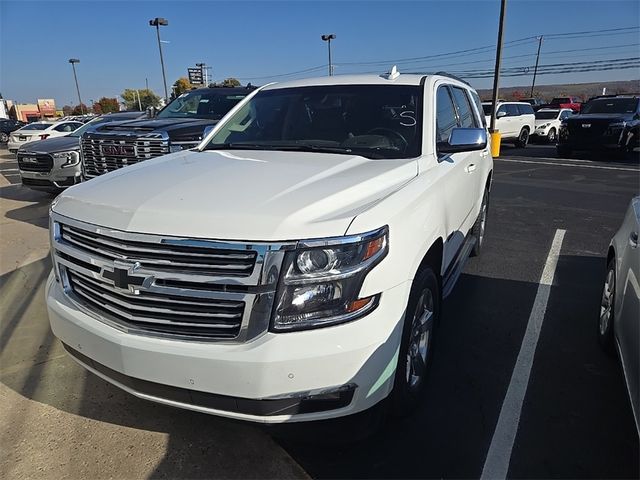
{"x":106,"y":153}
{"x":162,"y":256}
{"x":35,"y":162}
{"x":190,"y":289}
{"x":184,"y":315}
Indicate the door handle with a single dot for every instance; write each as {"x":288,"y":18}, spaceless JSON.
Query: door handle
{"x":470,"y":168}
{"x":633,"y":239}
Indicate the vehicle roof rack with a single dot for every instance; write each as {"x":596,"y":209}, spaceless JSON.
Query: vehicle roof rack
{"x":442,"y":74}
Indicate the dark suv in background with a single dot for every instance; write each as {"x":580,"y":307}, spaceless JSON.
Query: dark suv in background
{"x":609,"y":122}
{"x":178,"y":126}
{"x":7,"y":126}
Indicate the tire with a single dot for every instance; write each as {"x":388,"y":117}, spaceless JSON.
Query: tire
{"x":478,"y":228}
{"x":563,"y":152}
{"x":552,"y":136}
{"x":416,"y":347}
{"x":523,"y":138}
{"x":607,"y":306}
{"x":4,"y":138}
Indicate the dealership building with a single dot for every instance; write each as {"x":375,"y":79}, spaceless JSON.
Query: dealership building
{"x":44,"y":109}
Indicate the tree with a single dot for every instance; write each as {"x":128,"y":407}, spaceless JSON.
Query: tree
{"x":147,"y":99}
{"x":81,"y":109}
{"x":66,"y":110}
{"x":181,"y":85}
{"x":231,"y":82}
{"x":106,"y":105}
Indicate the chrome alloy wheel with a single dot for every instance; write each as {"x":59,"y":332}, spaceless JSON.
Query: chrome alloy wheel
{"x":608,"y":297}
{"x":483,"y":220}
{"x":420,"y":340}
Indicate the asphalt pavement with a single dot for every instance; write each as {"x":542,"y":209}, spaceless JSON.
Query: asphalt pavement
{"x":575,"y":420}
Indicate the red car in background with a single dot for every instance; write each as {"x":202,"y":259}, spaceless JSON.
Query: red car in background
{"x":574,"y":103}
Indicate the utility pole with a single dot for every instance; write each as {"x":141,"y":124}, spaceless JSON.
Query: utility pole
{"x":328,"y":38}
{"x":535,"y":70}
{"x":496,"y":74}
{"x":146,"y":83}
{"x":157,"y":22}
{"x":73,"y":62}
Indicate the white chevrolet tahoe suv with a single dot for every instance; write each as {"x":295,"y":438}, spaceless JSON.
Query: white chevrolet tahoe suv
{"x":289,"y":268}
{"x":516,"y":121}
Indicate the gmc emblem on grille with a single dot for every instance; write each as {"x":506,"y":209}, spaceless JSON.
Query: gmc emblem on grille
{"x":586,"y":125}
{"x":122,"y":277}
{"x":118,"y":150}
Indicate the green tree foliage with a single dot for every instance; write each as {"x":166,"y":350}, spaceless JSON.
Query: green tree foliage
{"x":181,"y":85}
{"x":231,"y":82}
{"x":106,"y":105}
{"x":147,"y":99}
{"x":81,"y":109}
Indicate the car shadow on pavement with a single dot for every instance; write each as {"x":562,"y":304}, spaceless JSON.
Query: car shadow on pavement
{"x":478,"y":341}
{"x":35,"y":213}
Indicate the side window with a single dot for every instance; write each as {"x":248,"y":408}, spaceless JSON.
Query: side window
{"x":467,"y":118}
{"x":476,"y":100}
{"x":512,"y":110}
{"x":501,"y":108}
{"x":62,"y":128}
{"x":525,"y":109}
{"x":446,"y":119}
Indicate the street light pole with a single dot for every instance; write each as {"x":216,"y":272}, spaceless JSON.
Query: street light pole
{"x":496,"y":74}
{"x":73,"y":62}
{"x":535,"y":71}
{"x":157,"y":22}
{"x":328,"y":38}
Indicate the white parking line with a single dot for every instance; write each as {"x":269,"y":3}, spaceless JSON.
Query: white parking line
{"x":496,"y":465}
{"x":576,"y":165}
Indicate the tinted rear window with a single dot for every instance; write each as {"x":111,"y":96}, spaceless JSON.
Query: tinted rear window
{"x":611,"y":105}
{"x":525,"y":109}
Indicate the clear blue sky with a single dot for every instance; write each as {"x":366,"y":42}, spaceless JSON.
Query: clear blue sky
{"x":118,"y":49}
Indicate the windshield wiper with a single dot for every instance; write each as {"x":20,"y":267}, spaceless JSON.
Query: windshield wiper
{"x":284,"y":147}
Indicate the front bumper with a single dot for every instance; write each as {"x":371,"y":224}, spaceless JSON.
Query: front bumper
{"x":57,"y":178}
{"x":233,"y":380}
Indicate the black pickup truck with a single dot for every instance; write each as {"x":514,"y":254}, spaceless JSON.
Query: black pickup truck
{"x":605,"y":123}
{"x":178,"y":126}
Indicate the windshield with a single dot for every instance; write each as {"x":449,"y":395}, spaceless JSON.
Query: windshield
{"x":373,"y":121}
{"x":36,"y":126}
{"x":561,"y":100}
{"x":211,"y":105}
{"x":611,"y":105}
{"x":548,"y":115}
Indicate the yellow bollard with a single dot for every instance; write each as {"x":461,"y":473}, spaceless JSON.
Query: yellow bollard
{"x":495,"y":143}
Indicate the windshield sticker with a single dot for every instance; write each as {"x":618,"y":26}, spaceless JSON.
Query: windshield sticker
{"x":409,"y":118}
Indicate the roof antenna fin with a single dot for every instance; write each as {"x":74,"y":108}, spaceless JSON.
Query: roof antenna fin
{"x":392,"y":74}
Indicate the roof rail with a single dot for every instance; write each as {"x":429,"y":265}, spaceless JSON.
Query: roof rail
{"x":442,"y":74}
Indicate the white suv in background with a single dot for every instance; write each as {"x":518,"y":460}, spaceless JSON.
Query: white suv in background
{"x":548,"y":121}
{"x":292,"y":266}
{"x":514,"y":120}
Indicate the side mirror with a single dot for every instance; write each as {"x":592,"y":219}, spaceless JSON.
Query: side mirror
{"x":207,"y":130}
{"x":501,"y":114}
{"x":464,"y":140}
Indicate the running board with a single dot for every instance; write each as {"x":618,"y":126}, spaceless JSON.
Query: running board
{"x":463,"y":255}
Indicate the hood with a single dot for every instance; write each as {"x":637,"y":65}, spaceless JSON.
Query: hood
{"x":238,"y":195}
{"x":51,"y":145}
{"x":542,"y":122}
{"x":184,"y":129}
{"x":610,"y":117}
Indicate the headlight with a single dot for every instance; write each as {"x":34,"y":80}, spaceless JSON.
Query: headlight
{"x":617,"y":125}
{"x":321,"y":281}
{"x":71,"y":158}
{"x":544,"y":125}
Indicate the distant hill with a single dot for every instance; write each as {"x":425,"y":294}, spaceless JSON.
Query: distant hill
{"x":582,"y":90}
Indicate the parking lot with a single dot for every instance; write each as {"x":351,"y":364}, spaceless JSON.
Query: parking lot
{"x":58,"y":421}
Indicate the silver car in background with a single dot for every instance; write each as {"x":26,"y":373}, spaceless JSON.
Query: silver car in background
{"x":54,"y":164}
{"x":619,"y":325}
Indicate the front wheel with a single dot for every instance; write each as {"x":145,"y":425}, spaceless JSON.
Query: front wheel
{"x":478,"y":228}
{"x":607,"y":305}
{"x":523,"y":138}
{"x":552,"y":136}
{"x":4,"y":138}
{"x":414,"y":358}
